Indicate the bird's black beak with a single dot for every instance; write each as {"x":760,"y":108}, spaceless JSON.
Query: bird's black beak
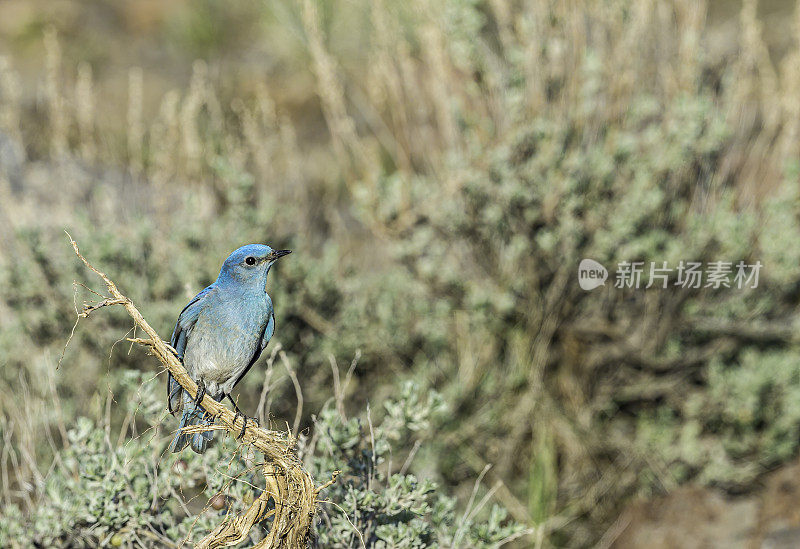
{"x":278,"y":253}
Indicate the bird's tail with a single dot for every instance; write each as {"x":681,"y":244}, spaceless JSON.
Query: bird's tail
{"x":174,"y":395}
{"x":192,"y":415}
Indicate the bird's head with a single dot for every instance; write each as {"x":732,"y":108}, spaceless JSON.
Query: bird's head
{"x":250,"y":264}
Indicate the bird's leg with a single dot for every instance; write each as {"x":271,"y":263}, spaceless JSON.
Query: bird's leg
{"x":239,"y":413}
{"x":201,"y":392}
{"x":235,"y":407}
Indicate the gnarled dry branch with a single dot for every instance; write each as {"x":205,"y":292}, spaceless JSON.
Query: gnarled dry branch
{"x":287,"y":484}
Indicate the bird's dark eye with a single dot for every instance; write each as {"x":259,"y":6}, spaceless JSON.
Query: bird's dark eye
{"x":250,"y":260}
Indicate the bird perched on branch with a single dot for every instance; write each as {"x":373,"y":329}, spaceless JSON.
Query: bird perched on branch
{"x":219,"y":336}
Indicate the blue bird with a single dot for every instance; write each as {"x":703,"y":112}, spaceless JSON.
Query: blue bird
{"x":219,"y":336}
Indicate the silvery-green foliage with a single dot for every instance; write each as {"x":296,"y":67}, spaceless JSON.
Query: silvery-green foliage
{"x":137,"y":490}
{"x":374,"y":502}
{"x":745,"y":423}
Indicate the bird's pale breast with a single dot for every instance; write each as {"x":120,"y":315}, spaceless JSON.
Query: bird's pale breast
{"x":224,"y":340}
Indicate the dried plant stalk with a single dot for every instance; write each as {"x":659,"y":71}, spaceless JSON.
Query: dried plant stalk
{"x":290,"y":487}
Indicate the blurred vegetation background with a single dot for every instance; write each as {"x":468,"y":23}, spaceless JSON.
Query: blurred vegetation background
{"x":439,"y":168}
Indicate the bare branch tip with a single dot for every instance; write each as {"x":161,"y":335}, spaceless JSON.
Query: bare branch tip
{"x":320,"y":488}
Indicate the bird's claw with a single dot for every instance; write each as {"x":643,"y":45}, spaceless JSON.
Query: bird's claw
{"x":244,"y":423}
{"x":237,"y":415}
{"x":201,"y":392}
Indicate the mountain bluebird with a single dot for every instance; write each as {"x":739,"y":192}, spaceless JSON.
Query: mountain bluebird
{"x":219,"y":335}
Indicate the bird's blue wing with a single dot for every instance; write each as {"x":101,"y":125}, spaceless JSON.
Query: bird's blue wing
{"x":186,"y":321}
{"x":266,"y":335}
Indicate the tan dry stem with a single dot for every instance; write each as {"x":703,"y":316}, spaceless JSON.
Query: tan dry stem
{"x":287,"y":484}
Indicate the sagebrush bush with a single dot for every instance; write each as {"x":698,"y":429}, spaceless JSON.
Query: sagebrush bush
{"x":134,"y":492}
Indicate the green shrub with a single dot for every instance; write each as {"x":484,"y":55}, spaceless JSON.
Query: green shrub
{"x":137,"y":491}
